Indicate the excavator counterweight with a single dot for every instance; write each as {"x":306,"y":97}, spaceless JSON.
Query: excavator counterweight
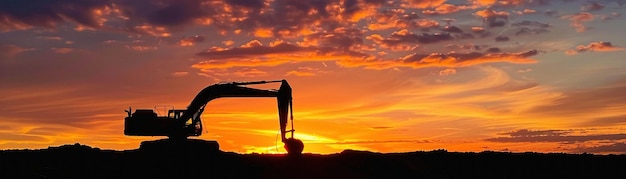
{"x":179,"y":124}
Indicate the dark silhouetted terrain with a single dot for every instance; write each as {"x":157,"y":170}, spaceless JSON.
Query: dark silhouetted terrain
{"x":79,"y":161}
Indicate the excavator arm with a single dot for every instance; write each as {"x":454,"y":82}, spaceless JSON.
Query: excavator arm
{"x":237,"y":89}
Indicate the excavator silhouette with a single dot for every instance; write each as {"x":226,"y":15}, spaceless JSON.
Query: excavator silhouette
{"x":179,"y":124}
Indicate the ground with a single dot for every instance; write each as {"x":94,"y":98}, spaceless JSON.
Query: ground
{"x":80,"y":161}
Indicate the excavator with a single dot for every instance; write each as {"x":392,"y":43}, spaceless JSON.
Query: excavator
{"x":179,"y":124}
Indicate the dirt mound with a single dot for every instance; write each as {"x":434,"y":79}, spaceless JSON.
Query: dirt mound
{"x":80,"y":161}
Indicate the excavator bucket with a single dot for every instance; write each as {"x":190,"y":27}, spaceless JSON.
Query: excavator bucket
{"x":294,"y":146}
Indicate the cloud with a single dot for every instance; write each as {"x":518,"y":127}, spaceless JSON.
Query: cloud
{"x":447,"y":71}
{"x":252,"y":48}
{"x":340,"y":38}
{"x":50,"y":37}
{"x":141,"y":48}
{"x":594,"y":6}
{"x":619,"y":148}
{"x":577,"y":20}
{"x":531,"y":24}
{"x":451,"y":59}
{"x":12,"y":50}
{"x":601,"y":46}
{"x":502,"y":39}
{"x":179,"y":73}
{"x":304,"y":71}
{"x":256,"y":54}
{"x":506,"y":3}
{"x":447,"y":9}
{"x":452,"y":29}
{"x":403,"y":39}
{"x":249,"y":72}
{"x":157,"y":31}
{"x":606,"y":100}
{"x":252,"y":4}
{"x":561,"y":136}
{"x":493,"y":18}
{"x":190,"y":41}
{"x":47,"y":14}
{"x":422,"y":4}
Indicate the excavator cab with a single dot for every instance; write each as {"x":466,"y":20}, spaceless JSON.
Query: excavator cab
{"x":146,"y":122}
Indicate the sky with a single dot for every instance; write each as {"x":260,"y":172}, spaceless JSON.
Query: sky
{"x":378,"y":75}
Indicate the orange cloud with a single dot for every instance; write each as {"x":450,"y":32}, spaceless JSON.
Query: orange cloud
{"x":426,"y":23}
{"x":447,"y":71}
{"x":304,"y":71}
{"x":264,"y":32}
{"x":485,"y":2}
{"x":156,"y":31}
{"x":493,"y":18}
{"x":422,"y":4}
{"x":447,"y":9}
{"x":525,"y":11}
{"x":228,"y":42}
{"x":392,"y":18}
{"x":190,"y":41}
{"x":180,"y":73}
{"x":577,"y":20}
{"x":250,"y":72}
{"x":252,"y":44}
{"x":594,"y":46}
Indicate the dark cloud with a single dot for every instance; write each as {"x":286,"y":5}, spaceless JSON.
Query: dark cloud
{"x":253,"y":4}
{"x":553,"y":136}
{"x":433,"y":38}
{"x":594,"y":6}
{"x":176,"y":13}
{"x":493,"y":50}
{"x":342,"y":38}
{"x":44,"y":13}
{"x":530,"y":31}
{"x":616,"y":148}
{"x":528,"y":3}
{"x":452,"y":59}
{"x":404,"y":36}
{"x":502,"y":39}
{"x":550,"y":12}
{"x":452,"y":29}
{"x":531,"y":23}
{"x":171,"y":14}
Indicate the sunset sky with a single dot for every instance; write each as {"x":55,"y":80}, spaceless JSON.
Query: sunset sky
{"x":377,"y":75}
